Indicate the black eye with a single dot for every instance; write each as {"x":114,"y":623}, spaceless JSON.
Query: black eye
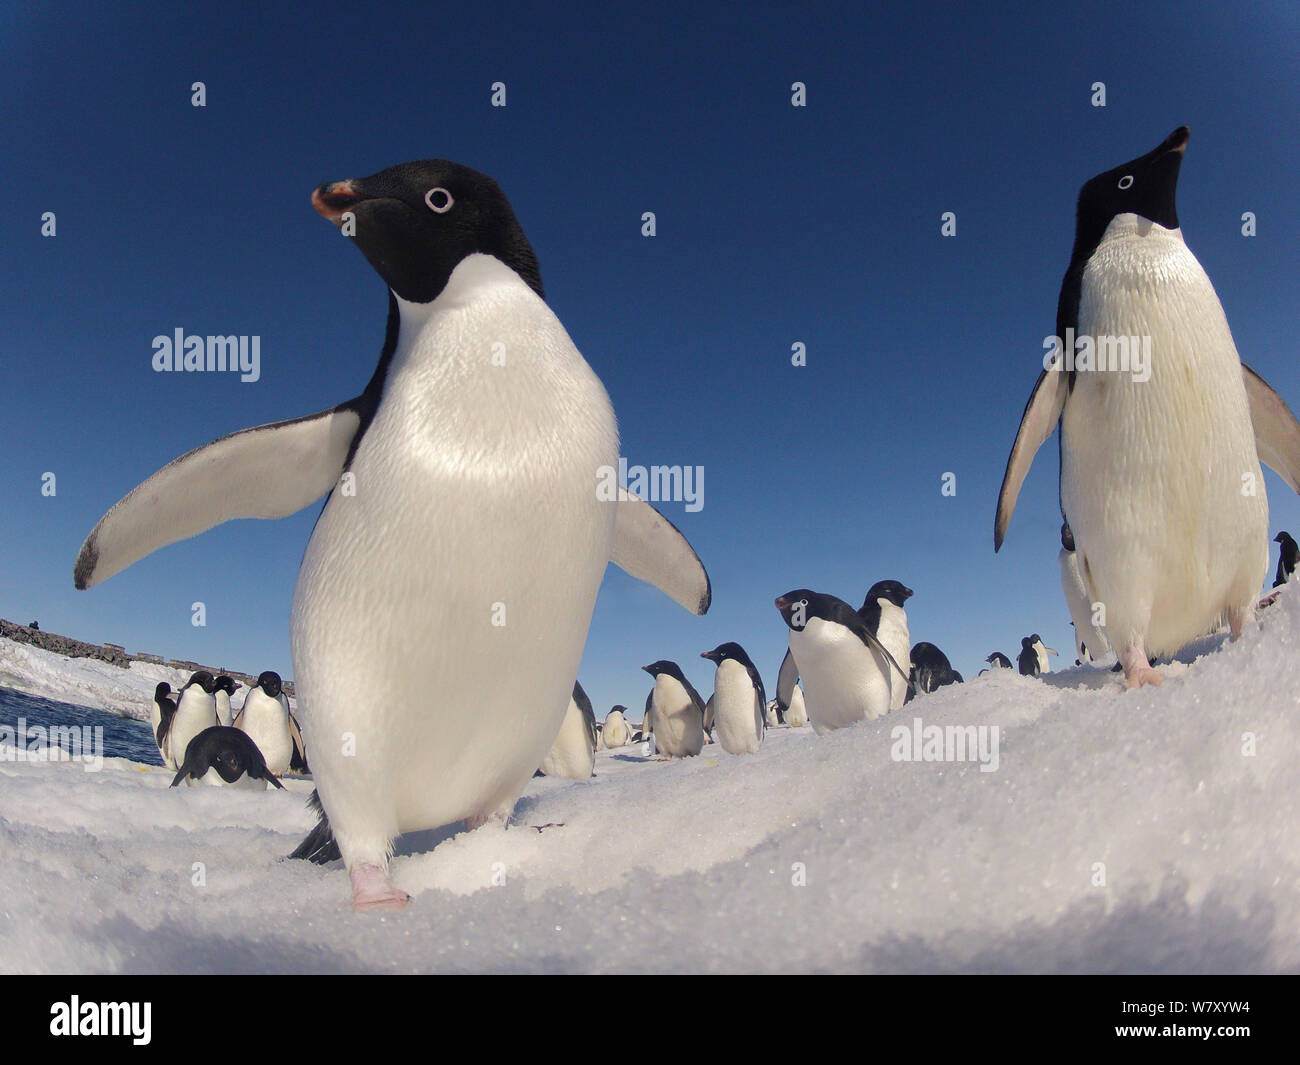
{"x":439,"y":200}
{"x":1126,"y":181}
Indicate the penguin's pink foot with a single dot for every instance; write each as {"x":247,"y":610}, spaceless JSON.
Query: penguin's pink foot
{"x":1239,"y":618}
{"x":372,"y":890}
{"x":1137,"y":670}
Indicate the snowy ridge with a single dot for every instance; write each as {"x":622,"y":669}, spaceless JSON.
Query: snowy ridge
{"x":690,"y":865}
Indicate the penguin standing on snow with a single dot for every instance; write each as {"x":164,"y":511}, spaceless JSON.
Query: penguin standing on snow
{"x":1288,"y":556}
{"x":1089,"y":641}
{"x":678,"y":721}
{"x":796,"y":714}
{"x":1033,"y":656}
{"x":738,"y":698}
{"x":224,"y":756}
{"x":573,"y":754}
{"x":473,"y":450}
{"x":847,"y":674}
{"x":196,"y":710}
{"x":1155,"y":450}
{"x":616,"y":732}
{"x":266,"y":719}
{"x":883,"y":612}
{"x":160,"y":720}
{"x":226,"y":687}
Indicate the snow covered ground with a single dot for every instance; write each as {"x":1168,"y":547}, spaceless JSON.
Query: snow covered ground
{"x":1120,"y":832}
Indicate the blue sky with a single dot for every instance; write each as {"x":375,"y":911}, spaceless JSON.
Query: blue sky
{"x":776,"y":225}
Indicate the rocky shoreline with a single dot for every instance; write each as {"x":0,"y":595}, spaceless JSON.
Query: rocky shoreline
{"x":112,"y":653}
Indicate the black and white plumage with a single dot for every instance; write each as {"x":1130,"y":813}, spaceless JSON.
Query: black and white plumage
{"x":196,"y":710}
{"x":573,"y":754}
{"x":1154,"y":461}
{"x":160,"y":719}
{"x":226,"y":686}
{"x":931,"y":669}
{"x":677,"y":709}
{"x":739,"y":699}
{"x":473,"y":450}
{"x":223,"y":755}
{"x":1288,"y":556}
{"x":1032,"y":659}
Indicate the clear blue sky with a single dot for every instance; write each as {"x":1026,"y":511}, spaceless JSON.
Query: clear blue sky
{"x":775,"y":225}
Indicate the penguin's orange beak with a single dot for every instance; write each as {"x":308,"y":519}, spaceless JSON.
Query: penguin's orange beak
{"x":333,"y":199}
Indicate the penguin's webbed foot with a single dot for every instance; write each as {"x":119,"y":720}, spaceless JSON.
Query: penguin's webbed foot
{"x":372,"y":890}
{"x":1137,"y":670}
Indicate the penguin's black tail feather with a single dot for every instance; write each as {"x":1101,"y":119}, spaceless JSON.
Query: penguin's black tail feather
{"x":319,"y":847}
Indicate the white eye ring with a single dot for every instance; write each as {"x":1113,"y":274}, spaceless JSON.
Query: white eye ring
{"x":1126,"y":181}
{"x":435,"y":208}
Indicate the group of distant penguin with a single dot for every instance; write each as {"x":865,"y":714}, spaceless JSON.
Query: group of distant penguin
{"x":204,"y":740}
{"x":473,"y":486}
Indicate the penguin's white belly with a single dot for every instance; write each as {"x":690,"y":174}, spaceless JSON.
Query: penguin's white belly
{"x":571,"y":754}
{"x":1153,"y":472}
{"x":440,"y":612}
{"x":679,"y":727}
{"x":796,"y":715}
{"x":737,"y":710}
{"x":844,"y":682}
{"x":615,"y":732}
{"x":193,"y":715}
{"x":267,"y":724}
{"x":897,"y":640}
{"x":223,"y":707}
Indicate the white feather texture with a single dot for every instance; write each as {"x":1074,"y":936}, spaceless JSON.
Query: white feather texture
{"x":440,"y":613}
{"x":616,"y":732}
{"x":571,"y":755}
{"x":844,"y":681}
{"x":738,"y":711}
{"x":1153,"y":472}
{"x":196,"y":710}
{"x":892,"y":632}
{"x":266,"y":721}
{"x":678,"y":723}
{"x":796,"y":715}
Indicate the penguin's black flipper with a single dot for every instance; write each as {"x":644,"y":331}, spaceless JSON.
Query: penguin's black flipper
{"x":181,"y":774}
{"x":298,"y":760}
{"x":319,"y":847}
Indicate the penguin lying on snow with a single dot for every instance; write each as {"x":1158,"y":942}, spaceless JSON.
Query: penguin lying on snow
{"x":930,"y":670}
{"x":476,"y":450}
{"x":1154,"y":458}
{"x":225,"y":756}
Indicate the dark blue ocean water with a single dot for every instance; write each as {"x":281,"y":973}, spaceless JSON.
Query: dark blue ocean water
{"x":123,"y":738}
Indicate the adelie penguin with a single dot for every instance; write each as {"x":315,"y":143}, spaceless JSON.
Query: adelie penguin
{"x":475,"y":454}
{"x":1160,"y":480}
{"x":196,"y":710}
{"x":931,"y":670}
{"x":848,"y":675}
{"x":1033,"y":656}
{"x":573,"y":754}
{"x":1288,"y":556}
{"x":738,"y":699}
{"x":225,"y":756}
{"x":160,"y":721}
{"x":616,"y":732}
{"x":266,"y":718}
{"x":225,"y":688}
{"x":882,"y":610}
{"x":678,"y":711}
{"x":1089,"y":641}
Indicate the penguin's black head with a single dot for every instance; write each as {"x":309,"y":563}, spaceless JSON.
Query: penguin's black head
{"x":999,"y":658}
{"x":1283,"y":538}
{"x":892,"y":591}
{"x":415,"y":222}
{"x":1144,"y":186}
{"x":162,"y":691}
{"x":797,"y":607}
{"x":672,"y":669}
{"x":270,"y":683}
{"x":730,"y":651}
{"x":226,"y":684}
{"x":1027,"y":642}
{"x":620,"y":708}
{"x":204,"y":680}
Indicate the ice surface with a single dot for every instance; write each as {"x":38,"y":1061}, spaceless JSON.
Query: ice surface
{"x":693,"y":865}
